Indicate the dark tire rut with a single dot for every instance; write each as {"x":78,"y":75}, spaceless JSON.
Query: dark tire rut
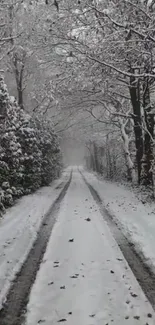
{"x":142,"y":272}
{"x":14,"y":309}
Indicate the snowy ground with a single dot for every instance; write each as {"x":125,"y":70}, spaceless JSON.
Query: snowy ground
{"x":84,"y":279}
{"x":136,"y":220}
{"x":18,"y":230}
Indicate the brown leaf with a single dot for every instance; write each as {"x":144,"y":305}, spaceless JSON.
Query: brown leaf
{"x":88,"y":219}
{"x":73,"y":276}
{"x":133,"y":295}
{"x":112,"y":272}
{"x":136,"y":317}
{"x":41,"y":321}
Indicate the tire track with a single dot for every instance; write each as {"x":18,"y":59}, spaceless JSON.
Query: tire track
{"x":143,"y":274}
{"x":14,"y":309}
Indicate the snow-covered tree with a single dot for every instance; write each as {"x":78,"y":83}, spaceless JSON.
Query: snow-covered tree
{"x":29,"y":151}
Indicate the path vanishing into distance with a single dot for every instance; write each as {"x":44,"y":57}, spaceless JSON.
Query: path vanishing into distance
{"x":81,"y":269}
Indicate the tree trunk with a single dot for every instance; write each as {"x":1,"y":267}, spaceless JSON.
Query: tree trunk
{"x":147,"y":160}
{"x":135,"y":100}
{"x":19,"y":74}
{"x":96,"y":158}
{"x":108,"y":160}
{"x":20,"y":95}
{"x":129,"y":162}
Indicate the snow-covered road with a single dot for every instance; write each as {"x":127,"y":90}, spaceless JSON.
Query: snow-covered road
{"x":19,"y":227}
{"x":83,"y":278}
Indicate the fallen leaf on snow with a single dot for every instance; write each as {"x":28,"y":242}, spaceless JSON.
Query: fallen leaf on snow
{"x":127,"y":301}
{"x":136,"y":317}
{"x":41,"y":321}
{"x":71,"y":240}
{"x":88,"y":219}
{"x":133,"y":295}
{"x":73,"y":276}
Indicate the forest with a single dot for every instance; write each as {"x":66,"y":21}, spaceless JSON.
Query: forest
{"x":81,"y":70}
{"x":77,"y":162}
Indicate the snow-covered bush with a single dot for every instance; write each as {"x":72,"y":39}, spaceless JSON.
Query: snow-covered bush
{"x":51,"y":155}
{"x":4,"y":98}
{"x":29,"y":151}
{"x":30,"y":161}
